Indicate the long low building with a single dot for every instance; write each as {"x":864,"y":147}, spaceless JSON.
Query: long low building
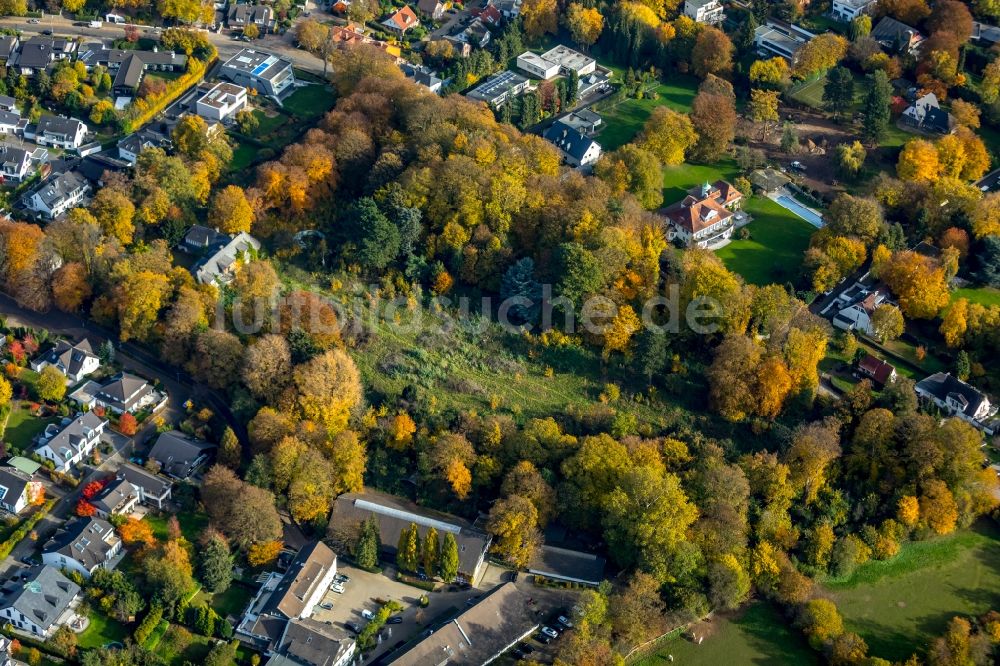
{"x":499,"y":88}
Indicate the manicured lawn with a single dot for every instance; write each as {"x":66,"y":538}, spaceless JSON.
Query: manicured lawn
{"x":22,"y":428}
{"x":623,"y":119}
{"x":101,"y":631}
{"x":759,"y":635}
{"x":268,"y":124}
{"x":774,"y":251}
{"x":310,"y":102}
{"x":243,"y":156}
{"x":677,"y":180}
{"x":233,"y":601}
{"x":981,"y":295}
{"x":899,"y":605}
{"x":191,"y":525}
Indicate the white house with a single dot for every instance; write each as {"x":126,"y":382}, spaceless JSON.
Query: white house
{"x":84,"y":545}
{"x":60,"y":131}
{"x":57,"y":194}
{"x":577,"y":148}
{"x":706,"y":216}
{"x":153,"y":490}
{"x":266,"y":73}
{"x":75,"y":361}
{"x":857,"y":316}
{"x":848,"y":10}
{"x":537,"y":66}
{"x":117,"y":499}
{"x":15,"y":164}
{"x":17,"y":490}
{"x":41,"y":603}
{"x":222,"y":102}
{"x":704,"y":11}
{"x":958,"y":399}
{"x":70,"y":441}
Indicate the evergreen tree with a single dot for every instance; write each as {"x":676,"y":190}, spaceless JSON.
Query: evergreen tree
{"x":431,"y":553}
{"x":530,"y":109}
{"x":573,"y":88}
{"x":106,"y":352}
{"x":519,"y":282}
{"x":962,"y":365}
{"x":505,"y":113}
{"x":448,"y":567}
{"x":789,"y":138}
{"x":366,"y":553}
{"x":215,"y":563}
{"x":652,"y":357}
{"x":408,"y":549}
{"x":230,"y":451}
{"x":838,"y":93}
{"x":876,"y":107}
{"x":259,"y":473}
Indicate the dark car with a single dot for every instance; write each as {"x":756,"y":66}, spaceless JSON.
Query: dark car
{"x":353,"y":626}
{"x":519,"y":653}
{"x":542,"y":638}
{"x":395,"y":619}
{"x":46,"y":32}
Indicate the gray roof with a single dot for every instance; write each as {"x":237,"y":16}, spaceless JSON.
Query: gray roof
{"x":58,"y":125}
{"x":220,"y":262}
{"x":124,"y":391}
{"x":84,"y":541}
{"x":394,"y":514}
{"x":97,"y":53}
{"x":7,"y":100}
{"x":13,"y":482}
{"x":68,"y":437}
{"x":566,"y":564}
{"x":568,"y":139}
{"x":60,"y":186}
{"x":9,"y":118}
{"x":35,"y":55}
{"x":243,"y":14}
{"x":151,"y":484}
{"x":942,"y":385}
{"x":117,"y":492}
{"x":130,"y":73}
{"x":893,"y":33}
{"x":199,"y":236}
{"x":42,"y":597}
{"x":313,"y":643}
{"x":7,"y":45}
{"x":309,"y":567}
{"x":179,"y":454}
{"x":68,"y":356}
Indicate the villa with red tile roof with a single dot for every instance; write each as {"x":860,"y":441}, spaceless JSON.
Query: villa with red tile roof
{"x":401,"y":20}
{"x":706,"y":216}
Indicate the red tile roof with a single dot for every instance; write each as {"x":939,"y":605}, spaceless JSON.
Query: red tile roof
{"x":404,"y":18}
{"x":876,"y":368}
{"x":703,"y":206}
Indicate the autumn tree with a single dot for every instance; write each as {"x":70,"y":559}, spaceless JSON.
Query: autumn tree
{"x":267,"y":367}
{"x":526,"y":481}
{"x":514,"y":523}
{"x":448,"y":567}
{"x":772,"y":73}
{"x":328,"y":389}
{"x":819,"y":54}
{"x":713,"y":116}
{"x":135,"y":531}
{"x":230,"y":211}
{"x":408,"y":549}
{"x":230,"y":452}
{"x":821,"y":622}
{"x":887,"y":322}
{"x":918,"y":161}
{"x":763,"y":109}
{"x":667,"y":134}
{"x":584,"y":23}
{"x":430,"y":553}
{"x":850,"y":158}
{"x":938,"y":510}
{"x":51,"y":384}
{"x":127,"y":424}
{"x":246,"y":514}
{"x":919,"y":285}
{"x":114,"y":211}
{"x":70,"y":286}
{"x":712,"y":52}
{"x":633,"y":169}
{"x":539,"y":17}
{"x":263,"y":553}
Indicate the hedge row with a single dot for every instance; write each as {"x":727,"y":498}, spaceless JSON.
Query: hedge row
{"x":22,"y":531}
{"x":145,"y":628}
{"x":142,"y":111}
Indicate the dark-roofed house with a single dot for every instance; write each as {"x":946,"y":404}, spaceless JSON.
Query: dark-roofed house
{"x":219,"y":266}
{"x":240,"y":16}
{"x":179,"y":455}
{"x":571,"y":566}
{"x":70,"y":441}
{"x":17,"y":489}
{"x":199,"y":238}
{"x":895,"y":36}
{"x":128,"y":77}
{"x":9,"y":45}
{"x":857,"y":316}
{"x":577,"y":148}
{"x":41,"y":603}
{"x":36,"y":54}
{"x":15,"y":163}
{"x":117,"y":499}
{"x":706,"y":216}
{"x":311,"y":643}
{"x":394,"y":514}
{"x":477,"y":635}
{"x":124,"y":393}
{"x":880,"y":372}
{"x":432,"y":8}
{"x":289,"y":596}
{"x":959,"y":399}
{"x":84,"y":545}
{"x":152,"y":489}
{"x":57,"y":194}
{"x":60,"y":131}
{"x":150,"y":136}
{"x":927,"y":115}
{"x":7,"y":103}
{"x":75,"y":361}
{"x":423,"y":76}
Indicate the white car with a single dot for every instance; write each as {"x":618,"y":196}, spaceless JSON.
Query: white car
{"x":565,"y":621}
{"x":367,"y":614}
{"x":550,"y":632}
{"x":338,"y":588}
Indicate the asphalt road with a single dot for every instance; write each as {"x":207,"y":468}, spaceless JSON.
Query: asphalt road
{"x":281,"y":45}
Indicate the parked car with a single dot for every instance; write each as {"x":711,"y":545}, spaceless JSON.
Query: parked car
{"x":326,"y":606}
{"x":518,"y":653}
{"x":542,"y":638}
{"x":367,"y":614}
{"x":550,"y":632}
{"x":338,"y":588}
{"x":342,"y":578}
{"x":565,"y":621}
{"x":353,"y":626}
{"x":34,"y":21}
{"x":395,"y":619}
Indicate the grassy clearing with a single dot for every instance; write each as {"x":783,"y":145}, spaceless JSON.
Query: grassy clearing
{"x":758,"y":635}
{"x":233,"y":601}
{"x":244,"y":154}
{"x":809,"y":92}
{"x":677,"y":180}
{"x":191,"y":525}
{"x":774,"y":251}
{"x":22,"y":427}
{"x":309,"y":102}
{"x":622,"y":119}
{"x":981,"y":295}
{"x":101,"y":631}
{"x":898,"y":605}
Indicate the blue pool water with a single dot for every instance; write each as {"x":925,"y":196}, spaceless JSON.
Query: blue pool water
{"x":800,"y":210}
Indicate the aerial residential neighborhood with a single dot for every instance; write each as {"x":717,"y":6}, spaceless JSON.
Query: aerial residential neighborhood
{"x":502,"y":332}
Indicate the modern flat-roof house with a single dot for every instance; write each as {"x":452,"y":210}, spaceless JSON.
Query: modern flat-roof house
{"x":775,"y":38}
{"x":927,"y":115}
{"x":704,"y":11}
{"x":222,"y":102}
{"x":959,"y":399}
{"x":877,"y":370}
{"x":17,"y":489}
{"x":476,"y":635}
{"x":218,"y":267}
{"x":537,"y":66}
{"x":39,"y":603}
{"x":84,"y":545}
{"x":70,"y":441}
{"x":58,"y":193}
{"x":75,"y":361}
{"x":394,"y":514}
{"x":264,"y":72}
{"x":499,"y":88}
{"x":848,"y":10}
{"x":117,"y":499}
{"x":292,"y":595}
{"x":401,"y":20}
{"x":706,"y":216}
{"x":16,"y":164}
{"x":153,"y":490}
{"x":60,"y":131}
{"x":570,"y":60}
{"x":180,"y":455}
{"x":240,"y":16}
{"x":578,"y":149}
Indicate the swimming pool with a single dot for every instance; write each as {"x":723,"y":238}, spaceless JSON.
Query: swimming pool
{"x":800,"y":210}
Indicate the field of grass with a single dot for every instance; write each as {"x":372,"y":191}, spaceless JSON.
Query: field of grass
{"x":191,"y":525}
{"x":809,"y":92}
{"x":775,"y":249}
{"x":22,"y":428}
{"x":623,"y":119}
{"x":233,"y":601}
{"x":899,"y":605}
{"x":244,"y":154}
{"x":758,"y":635}
{"x":677,"y":180}
{"x":982,"y":295}
{"x":309,"y":102}
{"x":101,"y":631}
